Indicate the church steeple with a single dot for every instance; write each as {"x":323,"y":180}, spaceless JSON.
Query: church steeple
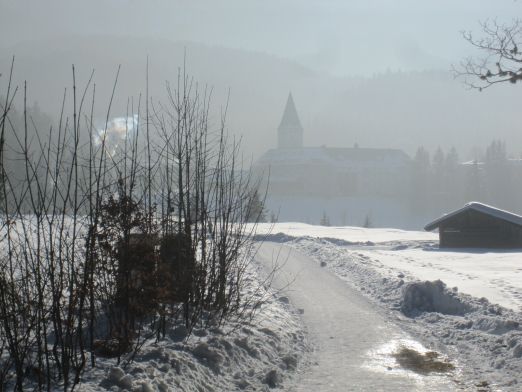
{"x":290,"y":131}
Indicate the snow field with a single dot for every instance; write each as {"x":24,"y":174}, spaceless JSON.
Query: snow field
{"x":496,"y":276}
{"x":345,"y":233}
{"x":459,"y":316}
{"x":260,"y":355}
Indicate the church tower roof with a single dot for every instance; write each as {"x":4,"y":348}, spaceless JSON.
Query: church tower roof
{"x":290,"y":117}
{"x":290,"y":131}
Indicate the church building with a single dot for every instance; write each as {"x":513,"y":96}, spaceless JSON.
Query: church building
{"x":290,"y":130}
{"x":351,"y":185}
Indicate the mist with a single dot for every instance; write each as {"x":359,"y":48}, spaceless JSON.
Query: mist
{"x":255,"y":195}
{"x":367,"y":74}
{"x":337,"y":37}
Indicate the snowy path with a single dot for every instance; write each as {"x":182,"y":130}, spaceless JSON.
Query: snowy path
{"x":344,"y":328}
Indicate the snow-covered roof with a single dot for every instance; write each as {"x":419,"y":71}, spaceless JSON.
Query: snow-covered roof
{"x":509,"y":161}
{"x":480,"y":207}
{"x":335,"y":156}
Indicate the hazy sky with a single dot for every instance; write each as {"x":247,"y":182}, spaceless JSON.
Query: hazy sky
{"x":343,"y":37}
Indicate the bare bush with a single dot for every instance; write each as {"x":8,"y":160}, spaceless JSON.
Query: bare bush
{"x":104,"y":246}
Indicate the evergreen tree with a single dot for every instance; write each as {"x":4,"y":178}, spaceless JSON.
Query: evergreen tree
{"x":255,"y":209}
{"x":420,"y":179}
{"x":437,"y":184}
{"x":452,"y":160}
{"x":473,"y":191}
{"x":453,"y":180}
{"x":497,"y":175}
{"x":368,"y":221}
{"x":325,"y":220}
{"x":438,"y":160}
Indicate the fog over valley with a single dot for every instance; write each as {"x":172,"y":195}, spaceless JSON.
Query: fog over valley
{"x":260,"y":195}
{"x":389,"y":83}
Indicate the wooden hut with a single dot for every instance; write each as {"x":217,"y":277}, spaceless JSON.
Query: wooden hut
{"x":478,"y":225}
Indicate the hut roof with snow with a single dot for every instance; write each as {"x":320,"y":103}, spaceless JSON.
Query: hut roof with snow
{"x":478,"y":225}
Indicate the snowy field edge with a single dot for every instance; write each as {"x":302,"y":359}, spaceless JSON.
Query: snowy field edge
{"x":396,"y":269}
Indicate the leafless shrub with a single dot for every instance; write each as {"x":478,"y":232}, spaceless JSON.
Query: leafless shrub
{"x":103,"y":248}
{"x":205,"y":204}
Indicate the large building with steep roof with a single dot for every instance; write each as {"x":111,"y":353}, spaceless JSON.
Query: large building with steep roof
{"x":350,"y":184}
{"x":290,"y":130}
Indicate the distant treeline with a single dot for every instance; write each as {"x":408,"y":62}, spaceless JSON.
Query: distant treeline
{"x":441,"y":181}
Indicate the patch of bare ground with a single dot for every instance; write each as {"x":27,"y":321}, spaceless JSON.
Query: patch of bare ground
{"x":422,"y":363}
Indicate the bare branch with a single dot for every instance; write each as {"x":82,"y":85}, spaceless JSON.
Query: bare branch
{"x":501,"y":59}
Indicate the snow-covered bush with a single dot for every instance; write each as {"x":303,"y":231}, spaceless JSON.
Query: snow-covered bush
{"x":104,"y":247}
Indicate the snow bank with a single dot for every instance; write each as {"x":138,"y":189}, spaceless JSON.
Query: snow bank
{"x":418,"y":297}
{"x":496,"y":275}
{"x":483,"y":339}
{"x":261,"y":354}
{"x":345,"y":233}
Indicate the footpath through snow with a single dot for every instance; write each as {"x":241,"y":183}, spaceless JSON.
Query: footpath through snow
{"x":355,"y":323}
{"x":351,"y":336}
{"x":449,"y":301}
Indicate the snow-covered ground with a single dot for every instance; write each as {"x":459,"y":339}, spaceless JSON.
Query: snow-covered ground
{"x":472,"y":314}
{"x":474,"y":319}
{"x":353,"y":339}
{"x":348,"y":234}
{"x":262,"y":354}
{"x":496,"y":276}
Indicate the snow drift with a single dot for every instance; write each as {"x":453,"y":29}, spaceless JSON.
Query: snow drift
{"x":431,"y":297}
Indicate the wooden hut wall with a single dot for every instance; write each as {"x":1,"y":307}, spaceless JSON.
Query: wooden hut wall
{"x":475,"y":229}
